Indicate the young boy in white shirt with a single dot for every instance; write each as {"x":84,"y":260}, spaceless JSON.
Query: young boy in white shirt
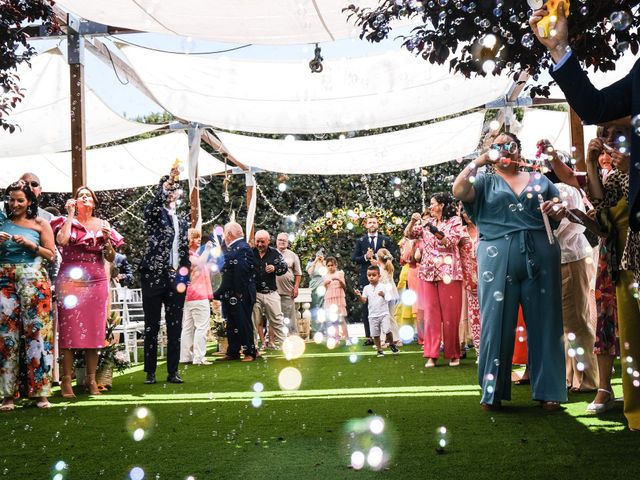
{"x":379,"y":316}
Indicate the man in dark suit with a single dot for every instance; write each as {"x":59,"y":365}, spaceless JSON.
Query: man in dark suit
{"x":164,"y":273}
{"x":237,"y":293}
{"x":618,"y":100}
{"x":364,"y":252}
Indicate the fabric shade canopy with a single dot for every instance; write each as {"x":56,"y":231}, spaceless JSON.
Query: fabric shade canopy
{"x":283,"y":97}
{"x":282,"y":22}
{"x":387,"y":152}
{"x":554,"y":126}
{"x":43,"y":116}
{"x":122,"y":166}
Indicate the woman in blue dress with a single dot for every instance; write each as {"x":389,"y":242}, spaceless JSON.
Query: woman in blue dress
{"x":518,"y":264}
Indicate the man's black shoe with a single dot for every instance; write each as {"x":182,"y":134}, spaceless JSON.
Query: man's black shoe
{"x":368,"y":342}
{"x":174,"y":378}
{"x":151,"y":378}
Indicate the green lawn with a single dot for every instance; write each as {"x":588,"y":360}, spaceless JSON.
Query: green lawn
{"x":208,"y":427}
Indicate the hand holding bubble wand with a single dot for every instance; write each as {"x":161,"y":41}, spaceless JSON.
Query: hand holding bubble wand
{"x":545,"y":219}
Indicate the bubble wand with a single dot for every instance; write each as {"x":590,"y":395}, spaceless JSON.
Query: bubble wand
{"x":547,"y":225}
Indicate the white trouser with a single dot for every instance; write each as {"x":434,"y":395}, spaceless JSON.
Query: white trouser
{"x":195,"y":326}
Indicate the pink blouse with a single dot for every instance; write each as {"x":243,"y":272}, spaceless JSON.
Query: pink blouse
{"x":440,"y":262}
{"x":468,"y":260}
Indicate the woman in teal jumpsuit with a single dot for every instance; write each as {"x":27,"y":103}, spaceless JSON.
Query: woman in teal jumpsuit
{"x":517,"y":265}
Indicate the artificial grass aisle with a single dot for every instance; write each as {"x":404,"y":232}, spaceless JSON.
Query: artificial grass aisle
{"x":208,"y":427}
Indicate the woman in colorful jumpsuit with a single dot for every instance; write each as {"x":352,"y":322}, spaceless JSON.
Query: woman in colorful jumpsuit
{"x":518,"y":264}
{"x":25,"y":305}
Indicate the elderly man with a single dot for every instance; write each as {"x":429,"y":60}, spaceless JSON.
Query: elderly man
{"x":269,"y":265}
{"x":33,"y":181}
{"x":288,"y":283}
{"x":237,"y":293}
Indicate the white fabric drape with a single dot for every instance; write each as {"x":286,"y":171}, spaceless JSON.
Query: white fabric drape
{"x":250,"y":181}
{"x":281,"y":22}
{"x":285,"y":97}
{"x":123,"y":166}
{"x":43,"y":115}
{"x":194,"y":135}
{"x":554,"y":126}
{"x":387,"y":152}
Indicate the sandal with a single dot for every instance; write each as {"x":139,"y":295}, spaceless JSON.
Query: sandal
{"x":522,"y":381}
{"x":7,"y":407}
{"x":66,"y":389}
{"x":491,"y":407}
{"x":594,"y":407}
{"x":44,"y":404}
{"x":550,"y":406}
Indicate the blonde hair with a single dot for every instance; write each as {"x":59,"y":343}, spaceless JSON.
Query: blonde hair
{"x":386,"y":260}
{"x":193,"y":233}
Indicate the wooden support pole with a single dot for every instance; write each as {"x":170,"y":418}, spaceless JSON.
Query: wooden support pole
{"x":78,"y":135}
{"x":577,"y":140}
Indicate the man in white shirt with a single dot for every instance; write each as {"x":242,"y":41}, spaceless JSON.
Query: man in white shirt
{"x":288,"y":283}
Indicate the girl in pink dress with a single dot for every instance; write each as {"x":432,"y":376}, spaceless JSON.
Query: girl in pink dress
{"x":82,"y":285}
{"x":334,"y":299}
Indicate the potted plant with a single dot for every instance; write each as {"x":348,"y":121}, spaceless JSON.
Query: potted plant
{"x":220,"y":331}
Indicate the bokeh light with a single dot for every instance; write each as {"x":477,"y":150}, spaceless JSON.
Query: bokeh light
{"x":290,"y":378}
{"x":368,"y":442}
{"x":140,"y":423}
{"x":293,"y":347}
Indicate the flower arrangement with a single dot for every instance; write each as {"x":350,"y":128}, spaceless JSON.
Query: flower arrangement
{"x":220,"y":327}
{"x":329,"y":230}
{"x":113,"y":353}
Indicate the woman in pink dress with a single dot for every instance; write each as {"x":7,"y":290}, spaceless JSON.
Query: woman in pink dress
{"x":335,"y":303}
{"x":82,"y":285}
{"x":468,"y":246}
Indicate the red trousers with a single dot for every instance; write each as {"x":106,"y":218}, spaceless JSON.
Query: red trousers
{"x":442,"y":308}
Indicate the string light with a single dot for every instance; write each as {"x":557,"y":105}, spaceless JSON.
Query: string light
{"x":274,"y":209}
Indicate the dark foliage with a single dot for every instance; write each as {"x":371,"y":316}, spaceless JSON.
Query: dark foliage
{"x":15,"y":49}
{"x":454,"y":30}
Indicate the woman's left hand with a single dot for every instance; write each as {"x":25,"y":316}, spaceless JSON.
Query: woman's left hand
{"x":106,"y":231}
{"x":553,"y":209}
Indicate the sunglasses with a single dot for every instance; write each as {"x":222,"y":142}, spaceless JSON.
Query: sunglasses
{"x":33,"y":184}
{"x":509,"y":147}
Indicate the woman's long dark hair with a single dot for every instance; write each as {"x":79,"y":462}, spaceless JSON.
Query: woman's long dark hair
{"x":32,"y":210}
{"x":448,"y":204}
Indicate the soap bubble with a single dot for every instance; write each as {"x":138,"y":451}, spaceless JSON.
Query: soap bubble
{"x":635,"y":124}
{"x":620,"y":20}
{"x":498,"y":296}
{"x":488,"y":276}
{"x":492,"y":251}
{"x":527,"y":40}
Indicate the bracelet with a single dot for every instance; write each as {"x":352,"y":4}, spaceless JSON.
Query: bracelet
{"x":35,"y":250}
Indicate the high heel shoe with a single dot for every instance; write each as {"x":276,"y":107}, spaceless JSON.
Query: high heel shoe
{"x":65,"y":387}
{"x":90,"y":384}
